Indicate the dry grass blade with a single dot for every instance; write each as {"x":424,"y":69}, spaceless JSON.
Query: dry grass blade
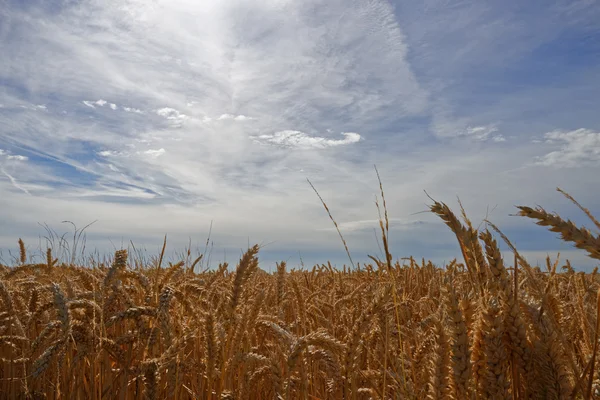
{"x":334,"y":223}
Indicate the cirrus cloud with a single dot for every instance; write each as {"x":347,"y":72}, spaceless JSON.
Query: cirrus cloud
{"x":297,"y":139}
{"x":577,"y":148}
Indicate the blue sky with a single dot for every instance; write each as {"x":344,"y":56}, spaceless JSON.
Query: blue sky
{"x":158,"y":117}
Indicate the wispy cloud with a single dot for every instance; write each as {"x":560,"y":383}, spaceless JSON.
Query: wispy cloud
{"x":233,"y":117}
{"x":175,"y":117}
{"x":6,"y":155}
{"x":133,"y":110}
{"x":108,"y":153}
{"x":448,"y":127}
{"x":169,"y":113}
{"x":578,"y":148}
{"x":155,"y":153}
{"x":14,"y":182}
{"x":479,"y":132}
{"x":17,"y":157}
{"x":297,"y":139}
{"x":101,"y":103}
{"x":368,"y":225}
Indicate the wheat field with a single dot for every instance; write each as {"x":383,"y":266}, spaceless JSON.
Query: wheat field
{"x":478,"y":328}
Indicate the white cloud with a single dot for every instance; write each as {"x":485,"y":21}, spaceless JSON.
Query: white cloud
{"x":34,"y":107}
{"x":168,"y":113}
{"x":108,"y":153}
{"x":577,"y":148}
{"x":133,"y":110}
{"x":234,"y":117}
{"x":155,"y":153}
{"x":18,"y":157}
{"x":113,"y":192}
{"x":302,"y":140}
{"x":14,"y":182}
{"x":100,"y":103}
{"x":447,"y":127}
{"x":127,"y":154}
{"x":14,"y":157}
{"x":370,"y":224}
{"x":174,"y":116}
{"x":479,"y":132}
{"x":113,"y":168}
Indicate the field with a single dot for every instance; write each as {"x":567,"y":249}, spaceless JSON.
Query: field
{"x":482,"y":327}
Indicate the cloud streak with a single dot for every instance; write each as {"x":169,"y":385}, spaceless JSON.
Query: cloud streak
{"x":576,"y":148}
{"x":14,"y":182}
{"x":301,"y":140}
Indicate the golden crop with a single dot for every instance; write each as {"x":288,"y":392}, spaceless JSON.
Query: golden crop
{"x":476,"y":329}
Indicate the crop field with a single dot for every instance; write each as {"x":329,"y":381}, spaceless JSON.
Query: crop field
{"x":479,"y":328}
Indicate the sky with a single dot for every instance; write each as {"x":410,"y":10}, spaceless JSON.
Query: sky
{"x":180,"y":118}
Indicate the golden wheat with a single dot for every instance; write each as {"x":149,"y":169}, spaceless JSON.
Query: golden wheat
{"x":389,"y":330}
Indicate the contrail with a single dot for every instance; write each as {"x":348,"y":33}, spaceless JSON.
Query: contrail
{"x":14,"y":181}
